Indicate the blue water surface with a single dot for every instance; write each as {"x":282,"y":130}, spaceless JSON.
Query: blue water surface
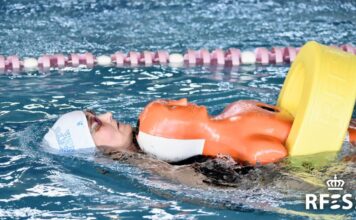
{"x":39,"y":185}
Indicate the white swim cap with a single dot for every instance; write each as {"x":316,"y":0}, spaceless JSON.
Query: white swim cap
{"x":70,"y":133}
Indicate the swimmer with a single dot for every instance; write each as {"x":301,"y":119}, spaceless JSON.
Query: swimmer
{"x":83,"y":130}
{"x":80,"y":130}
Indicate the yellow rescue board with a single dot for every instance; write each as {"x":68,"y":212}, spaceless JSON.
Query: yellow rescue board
{"x":319,"y":91}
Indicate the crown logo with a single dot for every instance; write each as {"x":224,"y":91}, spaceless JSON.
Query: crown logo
{"x":335,"y":184}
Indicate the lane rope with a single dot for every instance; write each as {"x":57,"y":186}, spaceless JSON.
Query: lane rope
{"x":231,"y":57}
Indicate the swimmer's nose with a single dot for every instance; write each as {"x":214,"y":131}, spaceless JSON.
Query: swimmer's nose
{"x":107,"y":117}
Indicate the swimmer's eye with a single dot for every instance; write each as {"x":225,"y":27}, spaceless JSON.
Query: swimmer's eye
{"x":94,"y":122}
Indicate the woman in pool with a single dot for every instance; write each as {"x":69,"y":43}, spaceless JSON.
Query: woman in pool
{"x":266,"y":128}
{"x":85,"y":130}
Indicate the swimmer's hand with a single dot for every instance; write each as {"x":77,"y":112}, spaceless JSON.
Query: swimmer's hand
{"x":352,"y":132}
{"x":350,"y":158}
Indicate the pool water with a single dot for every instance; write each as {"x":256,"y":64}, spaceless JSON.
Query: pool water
{"x":36,"y":184}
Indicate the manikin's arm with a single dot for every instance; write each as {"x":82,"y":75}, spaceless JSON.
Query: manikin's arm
{"x":239,"y":106}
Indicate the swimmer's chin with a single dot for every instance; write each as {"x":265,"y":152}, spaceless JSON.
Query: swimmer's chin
{"x":110,"y":149}
{"x":124,"y":128}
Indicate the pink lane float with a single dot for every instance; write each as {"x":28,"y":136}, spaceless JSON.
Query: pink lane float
{"x":218,"y":57}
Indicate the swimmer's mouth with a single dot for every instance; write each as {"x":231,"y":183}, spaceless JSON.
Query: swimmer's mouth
{"x":118,"y":125}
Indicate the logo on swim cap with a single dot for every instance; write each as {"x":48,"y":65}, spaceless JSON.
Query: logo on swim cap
{"x":70,"y":133}
{"x":65,"y":139}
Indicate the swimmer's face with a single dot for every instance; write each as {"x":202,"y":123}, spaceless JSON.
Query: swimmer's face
{"x":109,"y":133}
